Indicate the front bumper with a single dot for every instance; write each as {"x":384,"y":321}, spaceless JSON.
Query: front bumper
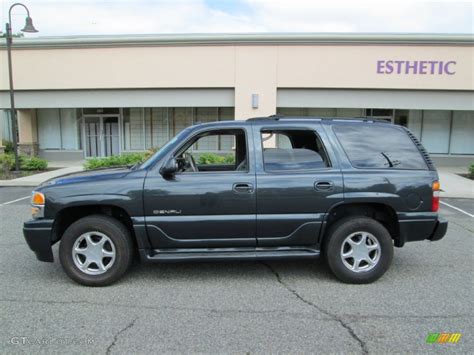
{"x":38,"y":236}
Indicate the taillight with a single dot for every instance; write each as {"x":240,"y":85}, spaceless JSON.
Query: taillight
{"x":435,"y":199}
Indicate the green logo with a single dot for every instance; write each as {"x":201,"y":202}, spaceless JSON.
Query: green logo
{"x":443,"y":338}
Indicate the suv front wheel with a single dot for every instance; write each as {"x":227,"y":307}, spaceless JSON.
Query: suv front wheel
{"x":358,"y":250}
{"x":96,"y":250}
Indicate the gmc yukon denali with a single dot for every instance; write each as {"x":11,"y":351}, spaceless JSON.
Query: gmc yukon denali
{"x":286,"y":187}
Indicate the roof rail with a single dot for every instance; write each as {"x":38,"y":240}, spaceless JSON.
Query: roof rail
{"x":277,"y":117}
{"x":363,"y":119}
{"x":271,"y":117}
{"x":379,"y":120}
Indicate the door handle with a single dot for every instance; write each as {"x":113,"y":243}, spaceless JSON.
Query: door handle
{"x":240,"y":187}
{"x":323,"y":185}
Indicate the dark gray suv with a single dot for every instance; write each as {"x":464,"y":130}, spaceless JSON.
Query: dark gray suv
{"x":286,"y":188}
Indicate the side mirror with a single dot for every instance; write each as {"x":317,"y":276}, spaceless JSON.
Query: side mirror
{"x":169,"y":168}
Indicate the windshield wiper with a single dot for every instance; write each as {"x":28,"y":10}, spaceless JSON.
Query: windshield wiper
{"x":390,"y":163}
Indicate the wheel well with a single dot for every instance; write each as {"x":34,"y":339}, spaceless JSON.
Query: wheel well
{"x":69,"y":215}
{"x":384,"y":214}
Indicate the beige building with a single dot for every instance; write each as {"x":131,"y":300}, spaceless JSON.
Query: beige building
{"x":79,"y":97}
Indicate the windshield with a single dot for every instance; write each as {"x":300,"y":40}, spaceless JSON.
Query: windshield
{"x":164,"y":150}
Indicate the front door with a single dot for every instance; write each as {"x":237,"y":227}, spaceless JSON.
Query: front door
{"x":210,"y":202}
{"x":101,"y":136}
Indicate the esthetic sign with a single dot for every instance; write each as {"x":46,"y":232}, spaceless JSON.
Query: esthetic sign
{"x":416,"y":67}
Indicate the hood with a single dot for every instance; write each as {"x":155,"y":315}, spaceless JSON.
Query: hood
{"x":88,"y":175}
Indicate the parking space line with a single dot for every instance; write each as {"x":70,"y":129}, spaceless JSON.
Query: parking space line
{"x":13,"y":201}
{"x":457,"y":209}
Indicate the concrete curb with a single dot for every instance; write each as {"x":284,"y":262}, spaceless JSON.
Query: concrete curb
{"x":37,"y":179}
{"x":13,"y":183}
{"x":453,"y":185}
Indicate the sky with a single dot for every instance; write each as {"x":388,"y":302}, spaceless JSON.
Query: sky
{"x":112,"y":17}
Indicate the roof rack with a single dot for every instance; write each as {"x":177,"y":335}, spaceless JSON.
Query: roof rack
{"x":378,"y":120}
{"x":271,"y":117}
{"x":278,"y":117}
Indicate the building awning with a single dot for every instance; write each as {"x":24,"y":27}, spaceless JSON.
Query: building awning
{"x":120,"y":98}
{"x":390,"y":99}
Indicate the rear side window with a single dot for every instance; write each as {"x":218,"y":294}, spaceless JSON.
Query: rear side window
{"x":292,"y":150}
{"x":379,"y":146}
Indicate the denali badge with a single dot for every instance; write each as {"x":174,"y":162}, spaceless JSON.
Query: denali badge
{"x":166,"y":211}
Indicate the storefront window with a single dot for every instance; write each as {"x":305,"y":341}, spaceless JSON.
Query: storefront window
{"x":133,"y":129}
{"x":69,"y":131}
{"x":203,"y":115}
{"x":435,"y":131}
{"x":146,"y":128}
{"x":156,"y":127}
{"x":226,"y":143}
{"x":442,"y":131}
{"x":58,"y":129}
{"x":49,"y":134}
{"x":215,"y":143}
{"x":293,"y":111}
{"x":401,"y":117}
{"x":414,"y":122}
{"x":6,"y":124}
{"x":182,"y":118}
{"x":462,"y":135}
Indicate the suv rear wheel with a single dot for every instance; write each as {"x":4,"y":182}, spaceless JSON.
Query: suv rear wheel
{"x":358,"y":250}
{"x":96,"y":250}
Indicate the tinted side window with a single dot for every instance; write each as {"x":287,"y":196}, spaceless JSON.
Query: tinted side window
{"x":379,"y":146}
{"x":292,"y":150}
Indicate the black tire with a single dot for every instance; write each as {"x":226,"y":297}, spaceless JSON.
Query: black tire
{"x":334,"y":242}
{"x":115,"y":231}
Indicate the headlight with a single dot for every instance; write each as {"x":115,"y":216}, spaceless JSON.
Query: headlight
{"x":37,"y":204}
{"x":37,"y":198}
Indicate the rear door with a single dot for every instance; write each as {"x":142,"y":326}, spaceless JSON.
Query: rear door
{"x":298,"y":180}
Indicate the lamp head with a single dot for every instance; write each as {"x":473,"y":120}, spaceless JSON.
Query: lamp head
{"x":29,"y":26}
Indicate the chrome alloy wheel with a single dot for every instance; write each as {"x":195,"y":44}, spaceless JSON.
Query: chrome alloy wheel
{"x":360,"y":252}
{"x":93,"y":253}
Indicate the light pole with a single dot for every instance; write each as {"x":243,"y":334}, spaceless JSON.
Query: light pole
{"x":9,"y":37}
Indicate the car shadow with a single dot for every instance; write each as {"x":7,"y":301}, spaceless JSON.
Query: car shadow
{"x":310,"y":270}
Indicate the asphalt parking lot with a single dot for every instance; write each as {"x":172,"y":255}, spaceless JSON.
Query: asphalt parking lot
{"x":249,"y":307}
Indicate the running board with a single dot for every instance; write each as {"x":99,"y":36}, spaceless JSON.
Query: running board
{"x":226,"y":254}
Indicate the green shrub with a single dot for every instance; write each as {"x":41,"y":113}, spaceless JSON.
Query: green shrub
{"x":212,"y":158}
{"x":229,"y":159}
{"x":117,"y":160}
{"x":471,"y":171}
{"x":8,"y":146}
{"x":134,"y":158}
{"x":7,"y":162}
{"x":32,"y":163}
